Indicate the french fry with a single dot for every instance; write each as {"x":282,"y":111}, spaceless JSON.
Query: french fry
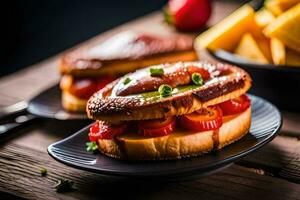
{"x":286,"y":28}
{"x":274,"y":8}
{"x":263,"y":17}
{"x":227,"y":33}
{"x":277,"y":7}
{"x":278,"y":52}
{"x":262,"y":41}
{"x":263,"y":45}
{"x":248,"y":48}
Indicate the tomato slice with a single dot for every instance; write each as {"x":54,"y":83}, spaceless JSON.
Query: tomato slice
{"x":203,"y":120}
{"x":236,"y":105}
{"x":84,"y":88}
{"x":104,"y":130}
{"x":157,"y":127}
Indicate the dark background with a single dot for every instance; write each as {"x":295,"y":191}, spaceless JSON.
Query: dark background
{"x":33,"y":30}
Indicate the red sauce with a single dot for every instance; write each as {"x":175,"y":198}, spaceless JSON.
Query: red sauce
{"x":84,"y":88}
{"x":216,"y":139}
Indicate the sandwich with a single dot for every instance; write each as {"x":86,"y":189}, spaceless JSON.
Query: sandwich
{"x":86,"y":70}
{"x":171,"y":111}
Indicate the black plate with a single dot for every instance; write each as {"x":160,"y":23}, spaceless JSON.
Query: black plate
{"x":266,"y":121}
{"x":48,"y":105}
{"x":277,"y":84}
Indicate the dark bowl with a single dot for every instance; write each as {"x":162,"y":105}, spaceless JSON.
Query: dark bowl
{"x":278,"y":84}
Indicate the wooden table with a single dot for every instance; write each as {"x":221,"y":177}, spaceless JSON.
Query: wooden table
{"x":270,"y":173}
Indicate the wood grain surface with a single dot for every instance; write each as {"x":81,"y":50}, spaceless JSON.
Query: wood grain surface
{"x":21,"y":172}
{"x":272,"y":172}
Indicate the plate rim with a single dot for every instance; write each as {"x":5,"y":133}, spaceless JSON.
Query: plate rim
{"x":218,"y":54}
{"x":213,"y":165}
{"x":61,"y":115}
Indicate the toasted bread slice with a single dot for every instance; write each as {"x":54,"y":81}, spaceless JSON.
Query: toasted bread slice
{"x":72,"y":103}
{"x":220,"y":87}
{"x":126,"y":52}
{"x":178,"y":144}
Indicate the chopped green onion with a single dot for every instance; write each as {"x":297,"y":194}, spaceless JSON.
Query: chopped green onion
{"x":197,"y":79}
{"x":63,"y":185}
{"x":126,"y":81}
{"x":43,"y":171}
{"x":156,"y":71}
{"x":91,"y":146}
{"x":165,"y":90}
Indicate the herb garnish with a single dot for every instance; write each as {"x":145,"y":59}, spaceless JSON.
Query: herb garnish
{"x":156,"y":71}
{"x":91,"y":146}
{"x":43,"y":171}
{"x":126,"y":81}
{"x":197,"y":79}
{"x":165,"y":90}
{"x":63,"y":185}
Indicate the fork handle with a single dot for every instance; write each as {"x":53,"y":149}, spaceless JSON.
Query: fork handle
{"x":20,"y":121}
{"x":14,"y":109}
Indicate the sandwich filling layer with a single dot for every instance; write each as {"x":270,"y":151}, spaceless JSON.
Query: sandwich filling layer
{"x":181,"y":143}
{"x":184,"y":136}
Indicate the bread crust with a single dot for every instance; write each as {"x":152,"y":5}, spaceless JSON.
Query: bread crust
{"x":72,"y":103}
{"x":179,"y":144}
{"x":125,"y":52}
{"x":121,"y":67}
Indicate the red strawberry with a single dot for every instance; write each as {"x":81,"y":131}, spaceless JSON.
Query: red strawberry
{"x":188,"y":15}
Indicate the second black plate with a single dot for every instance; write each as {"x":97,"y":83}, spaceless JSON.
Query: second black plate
{"x":266,"y":121}
{"x":47,"y":104}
